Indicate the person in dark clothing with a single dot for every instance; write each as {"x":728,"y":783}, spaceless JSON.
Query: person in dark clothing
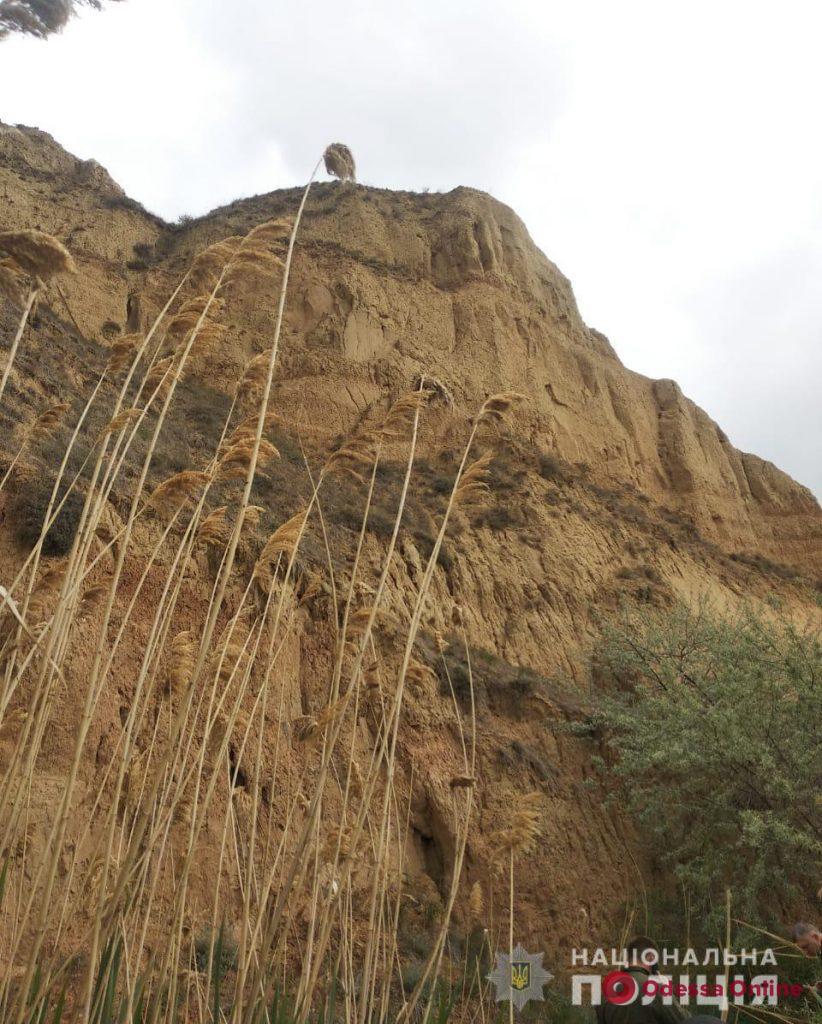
{"x":643,"y":954}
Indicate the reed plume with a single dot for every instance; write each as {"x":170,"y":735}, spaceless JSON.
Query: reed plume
{"x":122,"y":352}
{"x":209,"y":263}
{"x":284,"y":539}
{"x":49,"y":420}
{"x":37,"y":254}
{"x":473,"y":485}
{"x":235,"y":462}
{"x":522,"y":830}
{"x":182,"y":659}
{"x":12,"y":281}
{"x":401,"y":414}
{"x":359,"y":451}
{"x":159,"y":377}
{"x":253,"y":260}
{"x":496,"y":408}
{"x":476,"y":903}
{"x":270,"y":232}
{"x":246,"y":430}
{"x":120,"y":421}
{"x":214,"y":529}
{"x":254,"y":376}
{"x":168,"y":496}
{"x":339,"y":161}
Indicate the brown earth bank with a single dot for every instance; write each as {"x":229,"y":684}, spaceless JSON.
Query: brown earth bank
{"x":605,"y":487}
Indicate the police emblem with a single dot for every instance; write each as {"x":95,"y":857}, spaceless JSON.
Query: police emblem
{"x":519,"y":977}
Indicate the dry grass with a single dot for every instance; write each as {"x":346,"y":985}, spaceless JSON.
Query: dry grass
{"x":100,"y":906}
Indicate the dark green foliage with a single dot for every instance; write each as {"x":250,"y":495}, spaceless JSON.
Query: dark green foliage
{"x":29,"y":512}
{"x":716,"y":721}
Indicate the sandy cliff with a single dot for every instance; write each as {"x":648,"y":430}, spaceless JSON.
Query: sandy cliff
{"x":607,"y":486}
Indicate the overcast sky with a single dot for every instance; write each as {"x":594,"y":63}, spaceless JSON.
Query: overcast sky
{"x":668,"y":157}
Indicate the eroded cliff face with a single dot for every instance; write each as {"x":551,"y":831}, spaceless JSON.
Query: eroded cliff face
{"x":391,"y":285}
{"x":607,"y":486}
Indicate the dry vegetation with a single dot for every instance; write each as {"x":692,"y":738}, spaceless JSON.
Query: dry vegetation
{"x":203,"y":692}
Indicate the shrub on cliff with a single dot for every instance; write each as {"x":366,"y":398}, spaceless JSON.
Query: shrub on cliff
{"x":716,"y":721}
{"x":30,"y":509}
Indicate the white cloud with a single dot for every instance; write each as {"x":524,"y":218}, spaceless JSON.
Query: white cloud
{"x":665,"y":157}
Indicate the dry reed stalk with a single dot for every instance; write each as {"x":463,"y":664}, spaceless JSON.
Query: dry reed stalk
{"x":58,"y":828}
{"x":37,"y":549}
{"x":497,"y":405}
{"x":201,"y":805}
{"x":115,"y":645}
{"x":333,"y":723}
{"x":329,"y":743}
{"x":41,"y":257}
{"x":30,"y":300}
{"x":137,"y":351}
{"x":435,"y":959}
{"x":159,"y":630}
{"x":231,"y":552}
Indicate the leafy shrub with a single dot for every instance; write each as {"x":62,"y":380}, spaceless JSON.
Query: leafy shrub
{"x":30,"y":511}
{"x":716,"y":722}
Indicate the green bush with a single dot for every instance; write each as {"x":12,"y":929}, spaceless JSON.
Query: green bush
{"x":716,"y":722}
